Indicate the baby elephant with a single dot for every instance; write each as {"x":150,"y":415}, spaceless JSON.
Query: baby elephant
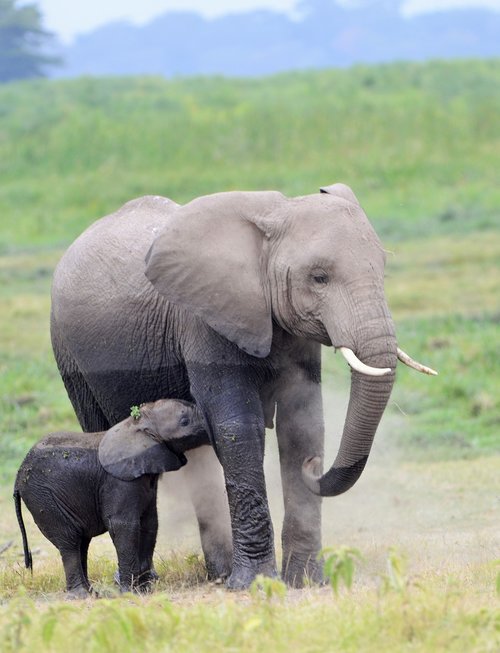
{"x":79,"y":485}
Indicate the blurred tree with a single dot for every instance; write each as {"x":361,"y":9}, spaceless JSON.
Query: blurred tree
{"x":23,"y":42}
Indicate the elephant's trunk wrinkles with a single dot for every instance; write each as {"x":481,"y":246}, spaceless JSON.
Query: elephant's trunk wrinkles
{"x":199,"y":423}
{"x":368,"y":399}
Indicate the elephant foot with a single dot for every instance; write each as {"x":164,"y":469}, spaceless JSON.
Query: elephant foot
{"x":146,"y":580}
{"x":243,"y":576}
{"x":301,"y":571}
{"x":141,"y":584}
{"x":143,"y":588}
{"x":219,"y":565}
{"x":78,"y":593}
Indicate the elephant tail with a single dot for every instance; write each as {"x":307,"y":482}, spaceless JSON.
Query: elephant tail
{"x":28,"y":559}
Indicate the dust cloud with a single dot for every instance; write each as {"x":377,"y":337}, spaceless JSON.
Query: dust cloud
{"x":439,"y":514}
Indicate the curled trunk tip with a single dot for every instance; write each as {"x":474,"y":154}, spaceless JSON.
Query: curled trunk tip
{"x":311,"y":473}
{"x":337,"y":480}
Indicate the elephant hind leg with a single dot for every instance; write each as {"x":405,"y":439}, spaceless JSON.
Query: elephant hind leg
{"x":77,"y":584}
{"x":87,"y":408}
{"x":205,"y":481}
{"x":300,"y":437}
{"x":84,"y":549}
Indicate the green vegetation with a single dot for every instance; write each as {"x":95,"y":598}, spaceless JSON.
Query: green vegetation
{"x":441,"y":616}
{"x":418,"y":142}
{"x":135,"y":412}
{"x":420,"y":145}
{"x":339,"y":565}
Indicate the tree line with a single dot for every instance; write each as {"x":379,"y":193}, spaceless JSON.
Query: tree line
{"x":24,"y":43}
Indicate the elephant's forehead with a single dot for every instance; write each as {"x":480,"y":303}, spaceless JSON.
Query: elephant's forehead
{"x":168,"y":412}
{"x":329,"y":234}
{"x":169,"y":406}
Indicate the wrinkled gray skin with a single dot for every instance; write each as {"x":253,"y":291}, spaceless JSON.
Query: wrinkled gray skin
{"x":79,"y":485}
{"x":239,"y":291}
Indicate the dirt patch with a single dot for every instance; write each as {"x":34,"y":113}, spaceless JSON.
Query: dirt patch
{"x":441,"y":515}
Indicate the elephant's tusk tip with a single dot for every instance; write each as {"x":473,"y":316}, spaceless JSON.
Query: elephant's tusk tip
{"x":408,"y":360}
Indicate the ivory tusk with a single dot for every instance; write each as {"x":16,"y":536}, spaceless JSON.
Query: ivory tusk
{"x":407,"y":360}
{"x":357,"y":365}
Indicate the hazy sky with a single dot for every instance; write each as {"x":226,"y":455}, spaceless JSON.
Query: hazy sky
{"x":67,"y":18}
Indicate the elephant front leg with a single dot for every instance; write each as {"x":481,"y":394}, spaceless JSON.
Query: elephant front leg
{"x":126,"y":536}
{"x":240,"y":447}
{"x":253,"y":540}
{"x":300,"y":430}
{"x":148,"y":535}
{"x":234,"y":414}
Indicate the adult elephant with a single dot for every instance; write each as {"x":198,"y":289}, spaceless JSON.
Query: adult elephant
{"x":226,"y":301}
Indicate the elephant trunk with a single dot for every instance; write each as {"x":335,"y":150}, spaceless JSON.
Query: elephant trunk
{"x":199,"y":424}
{"x":368,"y":398}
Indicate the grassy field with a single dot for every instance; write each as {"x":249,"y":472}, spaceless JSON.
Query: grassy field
{"x":410,"y":619}
{"x":420,"y":145}
{"x":418,"y":142}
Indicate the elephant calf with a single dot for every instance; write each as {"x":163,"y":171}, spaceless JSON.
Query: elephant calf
{"x":79,"y":485}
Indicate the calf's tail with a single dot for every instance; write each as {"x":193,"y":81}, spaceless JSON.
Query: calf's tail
{"x":28,"y":560}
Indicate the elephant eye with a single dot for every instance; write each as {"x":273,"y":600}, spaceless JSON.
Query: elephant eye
{"x":184,"y":421}
{"x":320,"y":278}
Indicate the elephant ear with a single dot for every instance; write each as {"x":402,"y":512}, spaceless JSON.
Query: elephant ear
{"x":209,"y":259}
{"x":129,"y":450}
{"x":340,"y":190}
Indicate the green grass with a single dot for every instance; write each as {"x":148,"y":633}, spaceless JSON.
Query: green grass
{"x":456,"y":414}
{"x":444,"y":614}
{"x":32,"y":396}
{"x":179,"y":571}
{"x":418,"y":142}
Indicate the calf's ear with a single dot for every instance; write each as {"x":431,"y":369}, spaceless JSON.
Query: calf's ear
{"x":127,"y":451}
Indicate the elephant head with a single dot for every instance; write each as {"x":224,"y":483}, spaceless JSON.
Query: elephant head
{"x":314,"y":265}
{"x":153,"y":441}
